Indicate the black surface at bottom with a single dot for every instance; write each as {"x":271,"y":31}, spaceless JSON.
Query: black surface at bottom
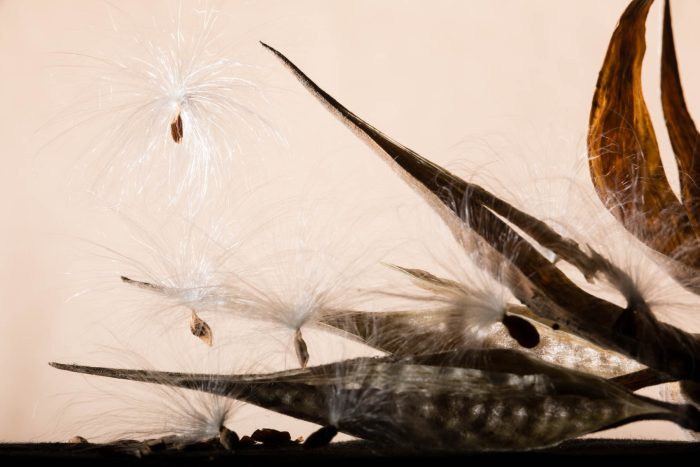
{"x":354,"y":452}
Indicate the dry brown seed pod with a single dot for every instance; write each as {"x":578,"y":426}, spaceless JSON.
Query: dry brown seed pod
{"x":472,"y":215}
{"x":446,"y":399}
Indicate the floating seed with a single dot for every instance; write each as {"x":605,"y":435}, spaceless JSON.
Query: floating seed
{"x":176,"y":130}
{"x":301,"y":349}
{"x":201,"y":329}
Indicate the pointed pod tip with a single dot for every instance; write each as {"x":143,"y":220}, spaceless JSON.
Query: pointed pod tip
{"x":59,"y":366}
{"x":269,"y":47}
{"x":289,"y":64}
{"x":392,"y":266}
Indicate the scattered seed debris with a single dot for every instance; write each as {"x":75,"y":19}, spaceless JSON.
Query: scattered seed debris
{"x":78,"y":440}
{"x":321,"y":437}
{"x":246,"y":442}
{"x":228,"y":439}
{"x":271,"y":436}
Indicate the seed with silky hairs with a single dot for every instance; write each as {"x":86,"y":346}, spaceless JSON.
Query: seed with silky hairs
{"x":176,"y":130}
{"x":201,"y":329}
{"x":301,"y":349}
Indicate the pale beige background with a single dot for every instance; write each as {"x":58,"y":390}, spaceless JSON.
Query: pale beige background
{"x":501,"y":88}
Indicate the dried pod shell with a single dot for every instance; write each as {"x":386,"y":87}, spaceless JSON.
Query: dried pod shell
{"x":246,"y":442}
{"x":472,"y":400}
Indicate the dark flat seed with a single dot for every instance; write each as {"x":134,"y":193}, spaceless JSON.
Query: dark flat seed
{"x":271,"y":436}
{"x":157,"y":444}
{"x":141,"y":284}
{"x":77,"y":440}
{"x":522,"y":331}
{"x":246,"y":442}
{"x":320,"y":437}
{"x":228,"y":439}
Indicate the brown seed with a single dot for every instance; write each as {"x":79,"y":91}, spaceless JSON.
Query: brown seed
{"x":176,"y":130}
{"x":247,"y":442}
{"x":522,"y":331}
{"x":142,"y":451}
{"x":77,"y":440}
{"x":301,"y":349}
{"x":320,"y":437}
{"x":156,"y":444}
{"x":228,"y":439}
{"x":201,"y":329}
{"x":271,"y":436}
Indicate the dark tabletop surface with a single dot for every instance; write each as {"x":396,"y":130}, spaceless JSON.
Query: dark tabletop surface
{"x":349,"y":453}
